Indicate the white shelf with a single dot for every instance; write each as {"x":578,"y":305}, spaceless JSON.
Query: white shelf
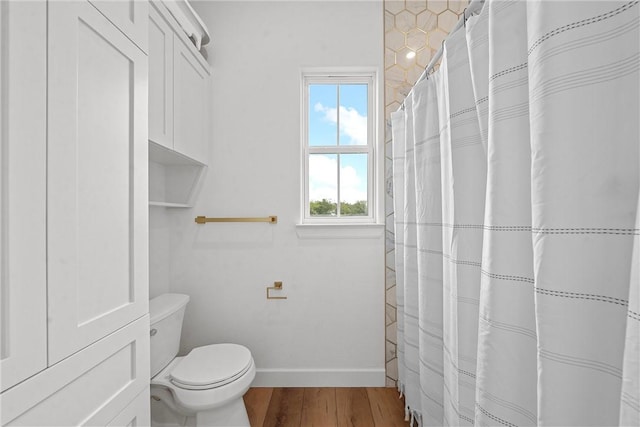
{"x":169,"y":204}
{"x":174,"y":179}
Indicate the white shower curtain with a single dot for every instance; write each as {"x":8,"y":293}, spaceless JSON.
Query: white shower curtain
{"x":517,"y":214}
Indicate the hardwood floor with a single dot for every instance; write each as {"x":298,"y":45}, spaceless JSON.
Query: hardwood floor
{"x":324,"y":407}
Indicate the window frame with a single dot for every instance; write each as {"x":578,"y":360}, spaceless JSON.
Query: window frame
{"x":337,"y":77}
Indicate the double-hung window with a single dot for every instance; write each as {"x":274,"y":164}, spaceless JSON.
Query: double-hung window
{"x":338,"y":138}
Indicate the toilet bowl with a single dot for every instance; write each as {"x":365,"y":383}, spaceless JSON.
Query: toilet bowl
{"x":203,"y":388}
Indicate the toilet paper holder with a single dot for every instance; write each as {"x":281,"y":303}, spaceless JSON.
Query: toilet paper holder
{"x":277,"y":286}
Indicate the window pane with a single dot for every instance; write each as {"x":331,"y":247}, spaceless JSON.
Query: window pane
{"x":323,"y":116}
{"x":323,"y":184}
{"x":353,"y":114}
{"x":353,"y":185}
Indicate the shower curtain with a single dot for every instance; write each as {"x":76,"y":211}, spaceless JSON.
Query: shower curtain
{"x":517,"y":220}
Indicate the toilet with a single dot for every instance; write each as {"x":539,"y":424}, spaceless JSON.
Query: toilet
{"x":203,"y":388}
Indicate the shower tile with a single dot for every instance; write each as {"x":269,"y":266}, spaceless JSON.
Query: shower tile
{"x":391,"y":262}
{"x":414,"y":73}
{"x":390,"y":351}
{"x":390,"y":314}
{"x":416,"y":39}
{"x":423,"y":57}
{"x":394,"y":6}
{"x":390,"y":241}
{"x":436,"y":38}
{"x":388,"y":205}
{"x":395,"y":76}
{"x":458,"y":6}
{"x":447,"y":20}
{"x":388,"y":147}
{"x":392,"y":333}
{"x":399,"y":95}
{"x":390,"y":279}
{"x":389,"y":58}
{"x":405,"y":21}
{"x":389,"y":192}
{"x":427,"y":21}
{"x":389,"y":222}
{"x":415,"y":6}
{"x":392,"y":107}
{"x":391,"y":296}
{"x":394,"y":39}
{"x":404,"y":57}
{"x":437,"y":6}
{"x":388,"y":21}
{"x":392,"y":369}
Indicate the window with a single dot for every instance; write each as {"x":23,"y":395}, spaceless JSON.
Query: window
{"x":338,"y":136}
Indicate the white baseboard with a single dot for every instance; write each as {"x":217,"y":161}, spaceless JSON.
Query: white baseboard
{"x":319,"y":378}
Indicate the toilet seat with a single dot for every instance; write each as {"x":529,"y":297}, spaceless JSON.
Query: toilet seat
{"x":211,"y":366}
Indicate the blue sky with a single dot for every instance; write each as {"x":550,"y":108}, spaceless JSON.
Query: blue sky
{"x":323,"y":119}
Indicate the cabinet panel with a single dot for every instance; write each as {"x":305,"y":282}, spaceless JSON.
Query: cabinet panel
{"x":137,"y":413}
{"x":97,"y":179}
{"x":130,"y":16}
{"x":191,"y":89}
{"x":23,"y":339}
{"x":89,"y":388}
{"x":160,"y":80}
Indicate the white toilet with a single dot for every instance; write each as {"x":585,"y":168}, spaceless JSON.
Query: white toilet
{"x":203,"y":388}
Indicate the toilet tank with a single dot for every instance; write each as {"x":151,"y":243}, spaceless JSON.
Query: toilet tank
{"x":166,"y":312}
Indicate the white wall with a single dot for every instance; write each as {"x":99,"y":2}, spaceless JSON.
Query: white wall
{"x":330,"y":330}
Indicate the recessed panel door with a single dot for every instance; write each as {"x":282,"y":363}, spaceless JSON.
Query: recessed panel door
{"x":23,"y":286}
{"x":130,"y":16}
{"x":97,"y":179}
{"x":190,"y":93}
{"x":160,"y":80}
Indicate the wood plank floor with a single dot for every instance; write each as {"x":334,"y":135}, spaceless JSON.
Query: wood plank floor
{"x":324,"y":407}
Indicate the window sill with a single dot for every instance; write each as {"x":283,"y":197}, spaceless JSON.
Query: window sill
{"x":340,"y":231}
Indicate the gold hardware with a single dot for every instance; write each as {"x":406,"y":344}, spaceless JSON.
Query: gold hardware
{"x":276,"y":286}
{"x":273,"y":219}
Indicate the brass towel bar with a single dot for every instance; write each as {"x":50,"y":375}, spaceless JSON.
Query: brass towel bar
{"x":270,"y":219}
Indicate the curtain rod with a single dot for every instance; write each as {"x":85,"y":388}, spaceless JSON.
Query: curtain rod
{"x":474,"y":7}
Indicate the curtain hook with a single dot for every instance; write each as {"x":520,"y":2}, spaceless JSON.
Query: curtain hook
{"x":464,"y":17}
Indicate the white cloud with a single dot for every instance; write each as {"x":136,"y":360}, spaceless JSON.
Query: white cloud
{"x":323,"y":180}
{"x":352,"y":123}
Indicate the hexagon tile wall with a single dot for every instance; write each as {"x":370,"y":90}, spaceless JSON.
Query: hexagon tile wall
{"x":414,"y":31}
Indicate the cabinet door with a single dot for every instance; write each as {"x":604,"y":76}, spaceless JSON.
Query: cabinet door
{"x":160,"y":80}
{"x":137,"y":413}
{"x":97,"y":179}
{"x":130,"y":16}
{"x":23,"y":292}
{"x":89,"y":388}
{"x":190,"y":111}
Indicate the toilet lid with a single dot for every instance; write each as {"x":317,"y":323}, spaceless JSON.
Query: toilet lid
{"x":211,"y":366}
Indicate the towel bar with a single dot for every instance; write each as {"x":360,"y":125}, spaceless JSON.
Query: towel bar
{"x":273,"y":219}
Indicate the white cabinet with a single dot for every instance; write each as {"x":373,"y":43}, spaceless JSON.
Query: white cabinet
{"x":160,"y":80}
{"x":137,"y":413}
{"x":23,"y":79}
{"x":74,"y":324}
{"x":91,"y":387}
{"x":190,"y":108}
{"x":130,"y":16}
{"x":97,"y":179}
{"x":179,"y":81}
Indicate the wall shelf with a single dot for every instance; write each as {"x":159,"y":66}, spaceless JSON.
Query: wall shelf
{"x":174,"y":179}
{"x":168,"y":204}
